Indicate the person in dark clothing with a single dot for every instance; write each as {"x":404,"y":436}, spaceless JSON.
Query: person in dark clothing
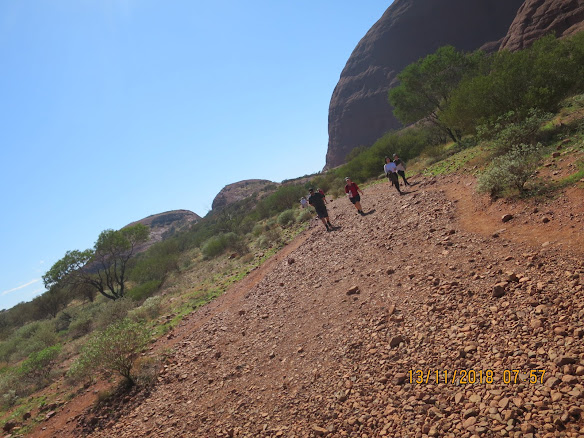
{"x":401,"y":168}
{"x":316,"y":199}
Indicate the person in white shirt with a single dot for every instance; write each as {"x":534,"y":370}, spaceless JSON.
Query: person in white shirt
{"x":390,"y":169}
{"x":303,"y":202}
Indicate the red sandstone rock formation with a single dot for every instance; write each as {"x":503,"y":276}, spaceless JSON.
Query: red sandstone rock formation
{"x":537,"y":18}
{"x":359,"y":112}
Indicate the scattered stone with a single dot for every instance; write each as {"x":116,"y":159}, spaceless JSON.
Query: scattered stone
{"x":396,"y":340}
{"x":469,"y":422}
{"x":400,"y":378}
{"x":565,"y":360}
{"x":354,"y":291}
{"x":499,"y":290}
{"x":319,"y":431}
{"x":506,"y":217}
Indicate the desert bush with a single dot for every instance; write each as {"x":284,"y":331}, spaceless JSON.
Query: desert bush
{"x":217,"y":245}
{"x":113,"y":350}
{"x":38,"y":366}
{"x":286,"y":218}
{"x":369,"y":163}
{"x":81,"y":326}
{"x":62,"y":321}
{"x":30,"y":338}
{"x":510,"y":171}
{"x":157,"y":262}
{"x":268,"y":238}
{"x":144,"y":290}
{"x":508,"y":132}
{"x":113,"y":312}
{"x":150,"y":309}
{"x":259,"y":228}
{"x":304,"y":215}
{"x":282,"y":199}
{"x":11,"y":387}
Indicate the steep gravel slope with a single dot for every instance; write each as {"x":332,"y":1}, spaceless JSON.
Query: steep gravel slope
{"x":322,"y":341}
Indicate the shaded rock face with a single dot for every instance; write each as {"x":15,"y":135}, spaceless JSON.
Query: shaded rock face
{"x":537,"y":18}
{"x":164,"y":225}
{"x":359,"y":112}
{"x":243,"y":189}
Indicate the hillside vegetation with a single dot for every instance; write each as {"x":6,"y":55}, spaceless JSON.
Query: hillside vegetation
{"x":501,"y":118}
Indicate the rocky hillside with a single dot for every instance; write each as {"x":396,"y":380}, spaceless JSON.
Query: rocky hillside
{"x":320,"y":341}
{"x":359,"y":113}
{"x":242,"y":189}
{"x":537,"y":18}
{"x":165,"y":224}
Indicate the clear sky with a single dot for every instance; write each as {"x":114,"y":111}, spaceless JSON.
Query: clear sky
{"x":113,"y":110}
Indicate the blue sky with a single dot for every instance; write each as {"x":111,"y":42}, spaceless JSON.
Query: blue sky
{"x":113,"y":110}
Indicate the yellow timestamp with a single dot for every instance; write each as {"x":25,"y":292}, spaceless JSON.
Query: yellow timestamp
{"x":471,"y":377}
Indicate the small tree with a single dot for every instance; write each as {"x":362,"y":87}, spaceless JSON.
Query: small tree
{"x":113,"y":350}
{"x":426,"y":85}
{"x":104,"y":267}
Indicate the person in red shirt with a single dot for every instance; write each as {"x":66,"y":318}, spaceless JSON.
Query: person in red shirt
{"x":352,"y":190}
{"x":321,"y":191}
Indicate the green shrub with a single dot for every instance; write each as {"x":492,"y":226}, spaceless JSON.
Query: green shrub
{"x":259,"y":228}
{"x":11,"y":386}
{"x":157,"y":262}
{"x":150,"y":309}
{"x":37,"y":368}
{"x":509,"y":132}
{"x":81,"y":326}
{"x":369,"y":163}
{"x":268,"y":238}
{"x":112,"y":312}
{"x":217,"y":245}
{"x":112,"y":350}
{"x":30,"y":338}
{"x":286,"y":218}
{"x":282,"y":199}
{"x":510,"y":171}
{"x":145,"y":290}
{"x":304,"y":215}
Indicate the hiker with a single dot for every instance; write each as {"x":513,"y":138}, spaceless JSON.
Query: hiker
{"x":401,"y":168}
{"x":352,"y":190}
{"x":390,"y":169}
{"x":317,"y":201}
{"x":303,"y":202}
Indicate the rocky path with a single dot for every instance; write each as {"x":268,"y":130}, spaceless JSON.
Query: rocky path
{"x":328,"y":341}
